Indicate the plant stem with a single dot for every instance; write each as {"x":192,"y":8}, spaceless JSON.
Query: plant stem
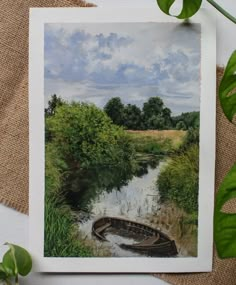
{"x":222,"y":11}
{"x":16,"y":280}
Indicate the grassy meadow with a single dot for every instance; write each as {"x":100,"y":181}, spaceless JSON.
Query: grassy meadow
{"x":156,"y":142}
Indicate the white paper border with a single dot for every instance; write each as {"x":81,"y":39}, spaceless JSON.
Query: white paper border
{"x":40,"y":16}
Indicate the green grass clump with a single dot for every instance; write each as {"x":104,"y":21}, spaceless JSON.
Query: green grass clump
{"x":147,"y":145}
{"x":178,"y":180}
{"x":61,"y":237}
{"x":61,"y":232}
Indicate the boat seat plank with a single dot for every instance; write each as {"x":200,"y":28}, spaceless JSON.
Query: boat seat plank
{"x":150,"y":241}
{"x":103,"y":228}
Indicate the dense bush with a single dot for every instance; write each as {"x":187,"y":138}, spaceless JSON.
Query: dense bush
{"x":191,"y":137}
{"x":86,"y":136}
{"x":178,"y":180}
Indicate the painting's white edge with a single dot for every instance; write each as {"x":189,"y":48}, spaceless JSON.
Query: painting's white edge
{"x":202,"y":263}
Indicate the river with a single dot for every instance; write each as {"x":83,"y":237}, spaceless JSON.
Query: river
{"x":109,"y":192}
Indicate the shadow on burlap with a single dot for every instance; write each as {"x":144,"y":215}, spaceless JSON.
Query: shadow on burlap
{"x":14,"y":162}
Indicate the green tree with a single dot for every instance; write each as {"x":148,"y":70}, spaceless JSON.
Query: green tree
{"x":166,"y":114}
{"x":153,"y":107}
{"x":156,"y":115}
{"x":53,"y":103}
{"x":115,"y":110}
{"x":86,"y":137}
{"x":156,"y":123}
{"x":132,"y":117}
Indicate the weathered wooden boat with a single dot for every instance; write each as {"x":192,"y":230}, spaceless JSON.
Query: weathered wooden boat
{"x":154,"y":242}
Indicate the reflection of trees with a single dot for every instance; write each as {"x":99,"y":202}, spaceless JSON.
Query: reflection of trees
{"x":142,"y":168}
{"x":84,"y":185}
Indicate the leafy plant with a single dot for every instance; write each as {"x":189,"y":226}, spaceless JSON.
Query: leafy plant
{"x":227,"y":91}
{"x":16,"y":261}
{"x":190,"y":8}
{"x":225,"y":230}
{"x":224,"y":223}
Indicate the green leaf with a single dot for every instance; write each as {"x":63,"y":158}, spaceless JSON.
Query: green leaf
{"x":17,"y":260}
{"x":225,"y":223}
{"x":3,"y":273}
{"x":190,"y":7}
{"x":227,"y":87}
{"x":8,"y":263}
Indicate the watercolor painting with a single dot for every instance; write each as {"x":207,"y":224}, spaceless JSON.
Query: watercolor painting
{"x":122,"y":120}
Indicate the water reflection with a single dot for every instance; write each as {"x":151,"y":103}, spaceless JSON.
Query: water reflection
{"x":84,"y":185}
{"x":94,"y":193}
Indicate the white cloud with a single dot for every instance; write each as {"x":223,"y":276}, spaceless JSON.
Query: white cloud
{"x":92,"y":63}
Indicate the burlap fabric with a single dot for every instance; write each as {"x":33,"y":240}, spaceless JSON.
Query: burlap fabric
{"x":14,"y":166}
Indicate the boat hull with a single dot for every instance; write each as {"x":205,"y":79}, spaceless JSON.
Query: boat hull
{"x":155,"y":242}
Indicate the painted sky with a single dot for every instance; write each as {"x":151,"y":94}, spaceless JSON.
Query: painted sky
{"x":135,"y":61}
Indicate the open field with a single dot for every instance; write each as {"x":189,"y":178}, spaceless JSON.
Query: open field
{"x":156,"y":142}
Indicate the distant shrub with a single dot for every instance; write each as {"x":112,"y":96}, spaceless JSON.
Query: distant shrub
{"x":191,"y":138}
{"x":190,"y":120}
{"x":181,"y":126}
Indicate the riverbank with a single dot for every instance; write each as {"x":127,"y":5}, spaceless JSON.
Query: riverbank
{"x":178,"y":225}
{"x":178,"y":180}
{"x":61,"y":231}
{"x":73,"y":144}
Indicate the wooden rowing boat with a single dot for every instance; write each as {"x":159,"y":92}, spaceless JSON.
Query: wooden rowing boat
{"x":154,"y":242}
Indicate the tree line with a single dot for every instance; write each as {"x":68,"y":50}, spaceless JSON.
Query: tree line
{"x":154,"y":115}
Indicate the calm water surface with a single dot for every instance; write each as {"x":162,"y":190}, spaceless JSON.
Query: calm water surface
{"x":110,"y":193}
